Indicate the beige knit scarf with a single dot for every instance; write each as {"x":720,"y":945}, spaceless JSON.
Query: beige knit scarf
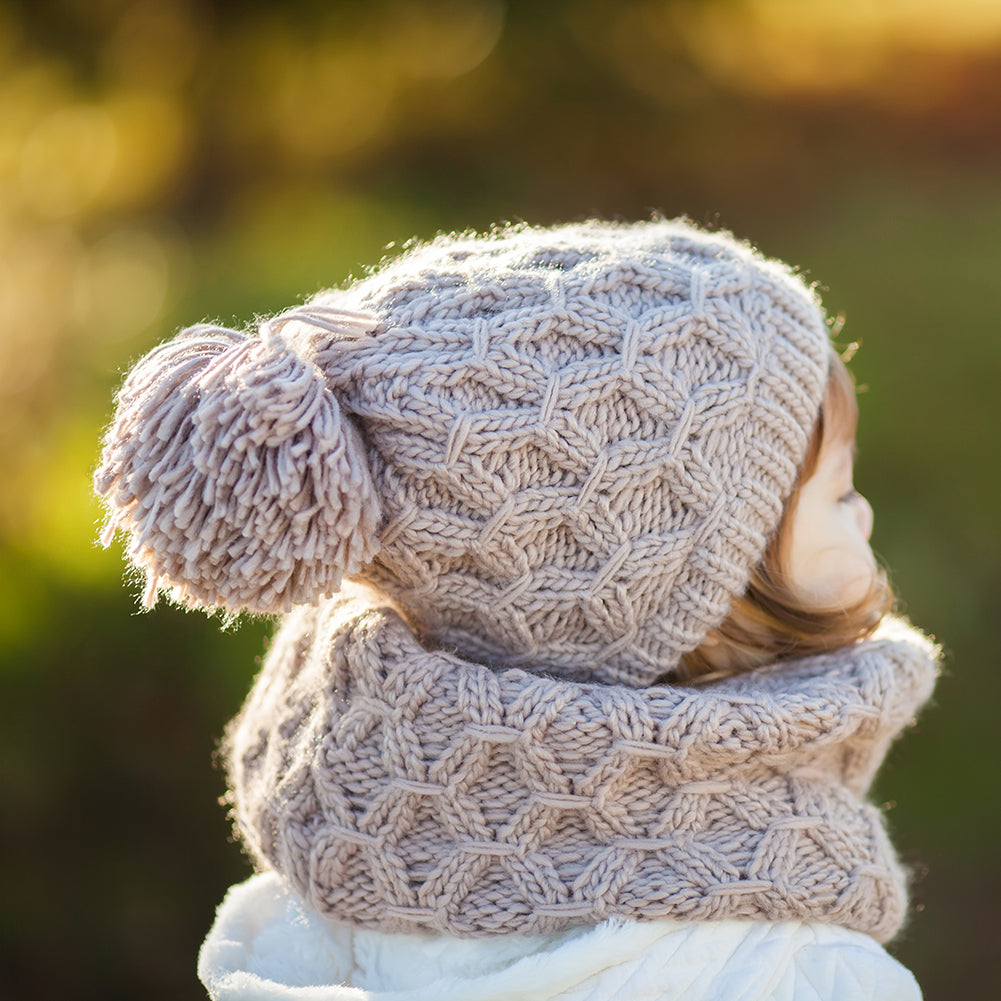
{"x":402,"y":788}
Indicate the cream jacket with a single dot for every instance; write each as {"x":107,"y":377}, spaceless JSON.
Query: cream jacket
{"x":265,"y":946}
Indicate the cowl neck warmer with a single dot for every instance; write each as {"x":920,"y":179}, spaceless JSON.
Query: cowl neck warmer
{"x":404,"y":788}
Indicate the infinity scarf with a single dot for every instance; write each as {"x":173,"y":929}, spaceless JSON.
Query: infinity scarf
{"x":403,"y":788}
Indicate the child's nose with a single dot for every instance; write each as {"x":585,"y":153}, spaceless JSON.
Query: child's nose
{"x":863,"y":512}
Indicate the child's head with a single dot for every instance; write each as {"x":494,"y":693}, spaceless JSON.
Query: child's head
{"x":570,"y":449}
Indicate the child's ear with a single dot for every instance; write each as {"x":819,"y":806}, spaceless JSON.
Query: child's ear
{"x":239,"y":481}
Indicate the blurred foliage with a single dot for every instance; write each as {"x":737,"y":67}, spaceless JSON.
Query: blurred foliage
{"x":164,"y":161}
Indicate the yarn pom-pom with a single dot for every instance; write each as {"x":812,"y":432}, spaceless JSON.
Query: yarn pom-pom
{"x":239,"y":481}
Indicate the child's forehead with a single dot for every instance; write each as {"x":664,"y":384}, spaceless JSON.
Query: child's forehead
{"x":844,"y":457}
{"x":840,"y":433}
{"x":837,"y":456}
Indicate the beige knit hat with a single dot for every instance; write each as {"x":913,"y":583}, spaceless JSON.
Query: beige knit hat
{"x":557,"y":448}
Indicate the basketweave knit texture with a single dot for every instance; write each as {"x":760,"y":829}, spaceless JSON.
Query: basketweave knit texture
{"x":582,"y":438}
{"x":402,"y":788}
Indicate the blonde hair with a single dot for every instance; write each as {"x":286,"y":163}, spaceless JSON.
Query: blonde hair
{"x":769,"y":623}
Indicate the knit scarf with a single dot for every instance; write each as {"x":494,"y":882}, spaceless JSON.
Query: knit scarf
{"x":404,"y":788}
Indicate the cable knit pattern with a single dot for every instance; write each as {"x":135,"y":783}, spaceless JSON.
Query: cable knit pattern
{"x":557,"y":454}
{"x":574,"y":444}
{"x":399,"y":788}
{"x":582,"y":437}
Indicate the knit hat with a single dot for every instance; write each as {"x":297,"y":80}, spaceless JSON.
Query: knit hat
{"x":563,"y":448}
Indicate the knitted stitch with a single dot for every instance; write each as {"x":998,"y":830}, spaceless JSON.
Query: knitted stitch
{"x":580,"y":439}
{"x":402,"y":788}
{"x":562,"y":450}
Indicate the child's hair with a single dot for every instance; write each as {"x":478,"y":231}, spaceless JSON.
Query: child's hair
{"x":769,"y":622}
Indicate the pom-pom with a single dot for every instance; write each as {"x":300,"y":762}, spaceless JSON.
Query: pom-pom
{"x":241,"y":484}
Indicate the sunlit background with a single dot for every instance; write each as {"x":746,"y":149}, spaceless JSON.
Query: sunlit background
{"x":166,"y":161}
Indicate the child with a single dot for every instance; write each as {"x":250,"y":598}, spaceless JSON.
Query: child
{"x":597,"y":715}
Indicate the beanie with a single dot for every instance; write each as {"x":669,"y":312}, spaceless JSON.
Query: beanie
{"x":563,"y":449}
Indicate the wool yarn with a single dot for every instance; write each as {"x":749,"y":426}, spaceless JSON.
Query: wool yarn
{"x":231,"y":467}
{"x":402,"y":788}
{"x":554,"y":456}
{"x":555,"y":448}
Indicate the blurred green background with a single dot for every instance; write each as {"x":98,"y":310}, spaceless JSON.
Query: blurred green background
{"x":166,"y":161}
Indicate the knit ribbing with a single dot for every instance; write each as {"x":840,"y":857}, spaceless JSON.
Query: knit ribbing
{"x":400,"y":787}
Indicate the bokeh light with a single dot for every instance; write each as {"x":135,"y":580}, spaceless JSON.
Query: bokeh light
{"x":168,"y":161}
